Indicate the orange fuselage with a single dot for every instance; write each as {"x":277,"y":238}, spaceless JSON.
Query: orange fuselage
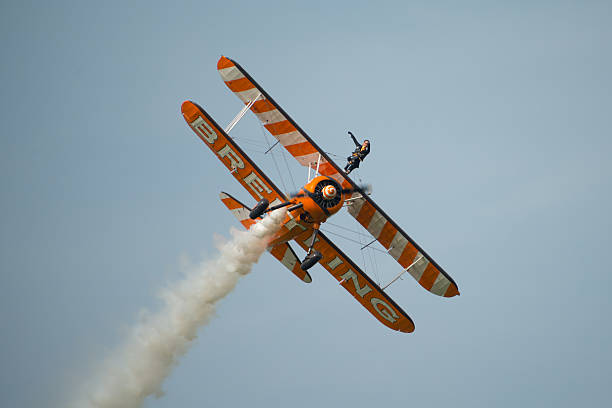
{"x":319,"y":199}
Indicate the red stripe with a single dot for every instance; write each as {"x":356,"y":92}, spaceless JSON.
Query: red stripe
{"x":231,"y":204}
{"x":451,"y":291}
{"x":301,"y":149}
{"x":429,"y":276}
{"x":262,"y":105}
{"x":247,"y":223}
{"x":327,"y":169}
{"x":386,"y":235}
{"x":407,"y":256}
{"x":365,"y":214}
{"x":280,"y":128}
{"x":239,"y":85}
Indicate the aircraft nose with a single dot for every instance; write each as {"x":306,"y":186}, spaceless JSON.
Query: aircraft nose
{"x":329,"y":192}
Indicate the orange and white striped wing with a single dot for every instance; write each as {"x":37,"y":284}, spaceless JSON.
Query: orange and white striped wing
{"x":401,"y":247}
{"x":240,"y":211}
{"x":358,"y":284}
{"x":276,"y":120}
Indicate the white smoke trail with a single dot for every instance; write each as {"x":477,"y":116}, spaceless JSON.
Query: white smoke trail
{"x":154,"y":346}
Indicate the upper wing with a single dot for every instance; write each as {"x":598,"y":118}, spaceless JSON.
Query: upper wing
{"x":230,"y":154}
{"x":276,"y":120}
{"x":399,"y":245}
{"x":358,"y":283}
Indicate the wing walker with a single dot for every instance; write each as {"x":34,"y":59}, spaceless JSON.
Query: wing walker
{"x":327,"y":191}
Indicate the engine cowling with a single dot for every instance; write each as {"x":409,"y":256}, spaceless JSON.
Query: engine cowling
{"x":322,"y":197}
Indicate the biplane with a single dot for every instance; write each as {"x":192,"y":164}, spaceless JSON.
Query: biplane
{"x":328,"y":190}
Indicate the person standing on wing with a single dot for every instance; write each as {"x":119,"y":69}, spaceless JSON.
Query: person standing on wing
{"x":361,"y":151}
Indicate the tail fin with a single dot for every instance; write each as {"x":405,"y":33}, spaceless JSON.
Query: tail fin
{"x":283,"y":252}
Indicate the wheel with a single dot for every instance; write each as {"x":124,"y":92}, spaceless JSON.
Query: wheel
{"x":259,"y":209}
{"x":311,"y":260}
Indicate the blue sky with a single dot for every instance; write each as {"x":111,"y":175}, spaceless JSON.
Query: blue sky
{"x":490,"y":130}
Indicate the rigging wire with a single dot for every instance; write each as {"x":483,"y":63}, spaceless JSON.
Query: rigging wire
{"x":289,"y":170}
{"x":371,"y":254}
{"x":349,"y":239}
{"x":252,"y":144}
{"x":362,"y":255}
{"x":332,"y":154}
{"x":373,"y":267}
{"x":251,"y":150}
{"x":347,"y":229}
{"x":376,"y":267}
{"x":273,"y":158}
{"x":249,"y":140}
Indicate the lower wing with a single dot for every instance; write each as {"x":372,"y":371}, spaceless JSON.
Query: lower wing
{"x":358,"y":284}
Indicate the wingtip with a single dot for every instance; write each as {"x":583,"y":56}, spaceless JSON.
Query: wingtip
{"x":224,"y":62}
{"x":408,"y":327}
{"x":185,"y":104}
{"x":452,"y":291}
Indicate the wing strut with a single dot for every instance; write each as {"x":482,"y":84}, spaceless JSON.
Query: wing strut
{"x":401,"y":273}
{"x":316,"y":171}
{"x":240,"y":114}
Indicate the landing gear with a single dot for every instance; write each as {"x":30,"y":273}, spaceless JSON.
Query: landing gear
{"x":313,"y":256}
{"x":259,"y":209}
{"x":311,"y":259}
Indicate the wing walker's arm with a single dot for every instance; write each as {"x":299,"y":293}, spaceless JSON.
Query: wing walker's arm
{"x":354,"y":140}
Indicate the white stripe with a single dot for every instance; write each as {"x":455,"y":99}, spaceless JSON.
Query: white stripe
{"x":249,"y":95}
{"x":291,"y":138}
{"x":355,"y":207}
{"x":230,"y":74}
{"x":417,"y":270}
{"x":273,"y":116}
{"x":241,"y":213}
{"x":308,"y":159}
{"x":289,"y":260}
{"x":440,"y":285}
{"x":376,"y":224}
{"x":398,"y":243}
